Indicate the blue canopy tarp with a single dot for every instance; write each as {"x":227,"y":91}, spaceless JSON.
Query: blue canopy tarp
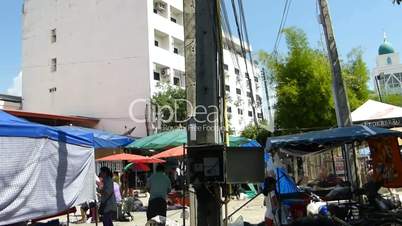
{"x":317,"y":141}
{"x":11,"y":126}
{"x":102,"y":139}
{"x":285,"y":184}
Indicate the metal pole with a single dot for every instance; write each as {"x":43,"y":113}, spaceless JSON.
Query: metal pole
{"x":333,"y":162}
{"x":96,"y":213}
{"x":376,"y":78}
{"x":184,"y":185}
{"x":265,"y":78}
{"x":340,"y":97}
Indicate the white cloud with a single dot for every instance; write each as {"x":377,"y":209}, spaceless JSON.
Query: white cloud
{"x":16,"y":87}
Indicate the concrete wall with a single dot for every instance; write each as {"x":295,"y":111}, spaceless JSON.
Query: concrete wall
{"x":102,"y":59}
{"x":105,"y":60}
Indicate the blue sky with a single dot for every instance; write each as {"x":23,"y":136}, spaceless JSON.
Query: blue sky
{"x":357,"y":23}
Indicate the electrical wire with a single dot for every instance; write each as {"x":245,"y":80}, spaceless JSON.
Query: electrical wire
{"x":282,"y":24}
{"x":239,"y":28}
{"x":226,"y":27}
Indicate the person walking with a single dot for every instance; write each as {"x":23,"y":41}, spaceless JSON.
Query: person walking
{"x":108,"y":204}
{"x":159,"y":185}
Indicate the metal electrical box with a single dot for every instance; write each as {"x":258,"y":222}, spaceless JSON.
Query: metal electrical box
{"x":205,"y":163}
{"x":220,"y":164}
{"x":245,"y":165}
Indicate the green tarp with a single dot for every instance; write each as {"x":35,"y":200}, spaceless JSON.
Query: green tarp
{"x":178,"y":137}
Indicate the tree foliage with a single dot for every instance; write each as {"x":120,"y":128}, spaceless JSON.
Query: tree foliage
{"x":355,"y":75}
{"x":258,"y":133}
{"x":170,"y":104}
{"x":304,"y":83}
{"x":393,"y":99}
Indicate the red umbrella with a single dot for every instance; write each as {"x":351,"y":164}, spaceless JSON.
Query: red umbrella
{"x":122,"y":157}
{"x":147,"y":159}
{"x":141,"y":167}
{"x":173,"y":152}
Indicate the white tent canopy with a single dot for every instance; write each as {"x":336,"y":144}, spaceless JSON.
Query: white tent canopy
{"x":374,"y":110}
{"x":43,"y":171}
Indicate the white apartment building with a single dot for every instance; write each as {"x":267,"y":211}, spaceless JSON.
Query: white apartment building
{"x":387,"y":75}
{"x":105,"y":58}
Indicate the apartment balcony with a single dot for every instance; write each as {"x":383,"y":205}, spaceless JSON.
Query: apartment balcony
{"x":167,"y":57}
{"x":165,"y":25}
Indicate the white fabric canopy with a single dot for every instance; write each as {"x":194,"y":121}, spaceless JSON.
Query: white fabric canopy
{"x":374,"y":110}
{"x":41,"y":177}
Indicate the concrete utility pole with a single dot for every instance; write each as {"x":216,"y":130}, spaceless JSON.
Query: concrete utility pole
{"x":189,"y":53}
{"x":340,"y":97}
{"x":203,"y":92}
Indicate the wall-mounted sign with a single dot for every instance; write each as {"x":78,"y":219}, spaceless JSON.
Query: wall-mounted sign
{"x":384,"y":123}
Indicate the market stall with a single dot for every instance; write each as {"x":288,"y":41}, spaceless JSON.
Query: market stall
{"x":43,"y":170}
{"x":387,"y":163}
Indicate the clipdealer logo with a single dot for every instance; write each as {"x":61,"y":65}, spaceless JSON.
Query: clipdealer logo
{"x":167,"y":114}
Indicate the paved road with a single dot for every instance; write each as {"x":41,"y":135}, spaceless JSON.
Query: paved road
{"x":253,"y":213}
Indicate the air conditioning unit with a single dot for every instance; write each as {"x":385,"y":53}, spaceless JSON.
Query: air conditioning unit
{"x":165,"y":72}
{"x":160,"y":6}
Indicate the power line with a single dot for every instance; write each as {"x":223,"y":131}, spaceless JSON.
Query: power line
{"x":282,"y":24}
{"x":244,"y":54}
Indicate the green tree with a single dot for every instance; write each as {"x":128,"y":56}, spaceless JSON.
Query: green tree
{"x":258,"y":133}
{"x":355,"y":74}
{"x":170,"y":103}
{"x":393,"y":99}
{"x":304,"y":83}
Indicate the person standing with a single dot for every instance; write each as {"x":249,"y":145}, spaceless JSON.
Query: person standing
{"x":108,"y":204}
{"x":159,"y":186}
{"x":270,"y":201}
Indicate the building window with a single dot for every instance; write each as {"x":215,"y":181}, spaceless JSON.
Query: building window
{"x":176,"y":50}
{"x":389,"y":61}
{"x":227,"y":88}
{"x":238,"y":91}
{"x":250,"y":113}
{"x":155,"y":11}
{"x":157,"y":76}
{"x":256,"y":79}
{"x":176,"y":81}
{"x":239,"y":111}
{"x":173,"y":20}
{"x":225,"y":67}
{"x":53,"y":65}
{"x":246,"y":74}
{"x":248,"y":94}
{"x":229,"y":109}
{"x":259,"y":100}
{"x":237,"y":71}
{"x":52,"y":90}
{"x":53,"y":35}
{"x":156,"y":43}
{"x":259,"y":115}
